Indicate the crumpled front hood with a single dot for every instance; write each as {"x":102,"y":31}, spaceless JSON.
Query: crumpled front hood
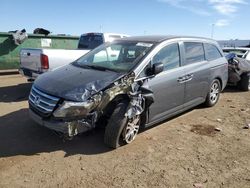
{"x":75,"y":83}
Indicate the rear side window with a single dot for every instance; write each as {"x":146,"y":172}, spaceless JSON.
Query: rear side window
{"x":169,"y":56}
{"x":90,"y":41}
{"x":194,"y":52}
{"x":212,"y":52}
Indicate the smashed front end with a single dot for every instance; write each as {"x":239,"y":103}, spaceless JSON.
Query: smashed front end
{"x":72,"y":118}
{"x":236,"y":67}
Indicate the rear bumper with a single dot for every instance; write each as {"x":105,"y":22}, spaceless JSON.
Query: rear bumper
{"x":30,"y":74}
{"x":60,"y":126}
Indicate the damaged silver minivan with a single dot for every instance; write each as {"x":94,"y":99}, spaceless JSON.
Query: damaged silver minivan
{"x":129,"y":84}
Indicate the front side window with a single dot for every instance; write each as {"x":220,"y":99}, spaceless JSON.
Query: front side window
{"x":194,"y":52}
{"x":212,"y":52}
{"x":169,"y":56}
{"x":116,"y":56}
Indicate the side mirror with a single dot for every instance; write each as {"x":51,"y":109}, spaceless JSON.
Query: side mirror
{"x":157,"y":68}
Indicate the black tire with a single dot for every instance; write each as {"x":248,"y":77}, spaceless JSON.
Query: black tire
{"x":121,"y":130}
{"x":115,"y":126}
{"x":213,"y":93}
{"x":244,"y":83}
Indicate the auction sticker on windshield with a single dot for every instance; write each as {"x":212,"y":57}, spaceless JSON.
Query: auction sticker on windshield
{"x":144,"y":44}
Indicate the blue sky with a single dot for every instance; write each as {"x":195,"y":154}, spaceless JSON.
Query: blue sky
{"x":229,"y":18}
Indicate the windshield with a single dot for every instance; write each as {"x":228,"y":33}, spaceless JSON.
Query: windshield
{"x":90,"y":41}
{"x":116,"y":56}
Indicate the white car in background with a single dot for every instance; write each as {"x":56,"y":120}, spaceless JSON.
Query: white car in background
{"x":35,"y":61}
{"x":240,"y":52}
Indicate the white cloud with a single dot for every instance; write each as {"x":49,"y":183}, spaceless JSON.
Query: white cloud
{"x":228,"y":1}
{"x":204,"y":7}
{"x":222,"y":23}
{"x":194,"y":6}
{"x":226,"y":7}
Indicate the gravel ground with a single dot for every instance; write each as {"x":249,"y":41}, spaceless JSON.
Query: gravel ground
{"x":205,"y":147}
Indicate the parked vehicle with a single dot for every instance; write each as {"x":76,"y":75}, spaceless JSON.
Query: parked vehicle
{"x":240,"y":52}
{"x":135,"y":83}
{"x":34,"y":62}
{"x":238,"y":72}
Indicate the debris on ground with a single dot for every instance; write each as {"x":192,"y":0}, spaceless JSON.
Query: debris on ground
{"x":219,"y":120}
{"x":218,"y":129}
{"x":247,"y":126}
{"x":198,"y":185}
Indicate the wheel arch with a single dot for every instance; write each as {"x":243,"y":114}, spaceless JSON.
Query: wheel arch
{"x":108,"y":110}
{"x":220,"y":80}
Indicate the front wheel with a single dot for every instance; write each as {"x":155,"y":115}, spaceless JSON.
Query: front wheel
{"x":120,"y":130}
{"x":213,"y":94}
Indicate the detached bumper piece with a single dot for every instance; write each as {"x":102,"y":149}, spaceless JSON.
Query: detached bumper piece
{"x":68,"y":128}
{"x":42,"y":106}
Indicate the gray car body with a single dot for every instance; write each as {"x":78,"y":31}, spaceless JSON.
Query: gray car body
{"x":173,"y":97}
{"x":174,"y":90}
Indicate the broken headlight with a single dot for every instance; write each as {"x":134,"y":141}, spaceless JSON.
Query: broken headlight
{"x":70,"y":109}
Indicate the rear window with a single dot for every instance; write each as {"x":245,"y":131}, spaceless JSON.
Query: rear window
{"x":212,"y":52}
{"x":90,"y":41}
{"x":194,"y":52}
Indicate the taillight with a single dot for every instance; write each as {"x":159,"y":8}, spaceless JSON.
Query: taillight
{"x":44,"y":61}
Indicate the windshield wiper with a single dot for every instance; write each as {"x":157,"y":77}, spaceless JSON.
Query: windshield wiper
{"x":96,"y":67}
{"x":101,"y":68}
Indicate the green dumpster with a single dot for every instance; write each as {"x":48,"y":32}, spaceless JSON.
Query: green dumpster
{"x":9,"y":51}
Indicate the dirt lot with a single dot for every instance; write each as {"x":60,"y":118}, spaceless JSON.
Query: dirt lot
{"x":181,"y":152}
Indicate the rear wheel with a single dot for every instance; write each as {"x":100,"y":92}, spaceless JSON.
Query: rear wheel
{"x":120,"y":130}
{"x":244,"y":83}
{"x":213,"y":94}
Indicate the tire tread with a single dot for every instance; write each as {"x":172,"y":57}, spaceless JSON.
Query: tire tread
{"x":115,"y":125}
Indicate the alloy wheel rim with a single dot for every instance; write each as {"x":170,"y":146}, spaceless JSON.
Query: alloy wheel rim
{"x":214,"y":92}
{"x":132,"y":129}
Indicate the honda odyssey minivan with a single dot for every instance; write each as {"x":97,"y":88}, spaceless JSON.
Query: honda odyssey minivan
{"x":129,"y":84}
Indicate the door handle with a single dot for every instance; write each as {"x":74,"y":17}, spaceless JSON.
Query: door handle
{"x":181,"y":79}
{"x":189,"y":77}
{"x":185,"y":78}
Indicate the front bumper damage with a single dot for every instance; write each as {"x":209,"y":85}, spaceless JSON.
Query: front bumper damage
{"x":236,"y":67}
{"x":138,"y":92}
{"x":70,"y":129}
